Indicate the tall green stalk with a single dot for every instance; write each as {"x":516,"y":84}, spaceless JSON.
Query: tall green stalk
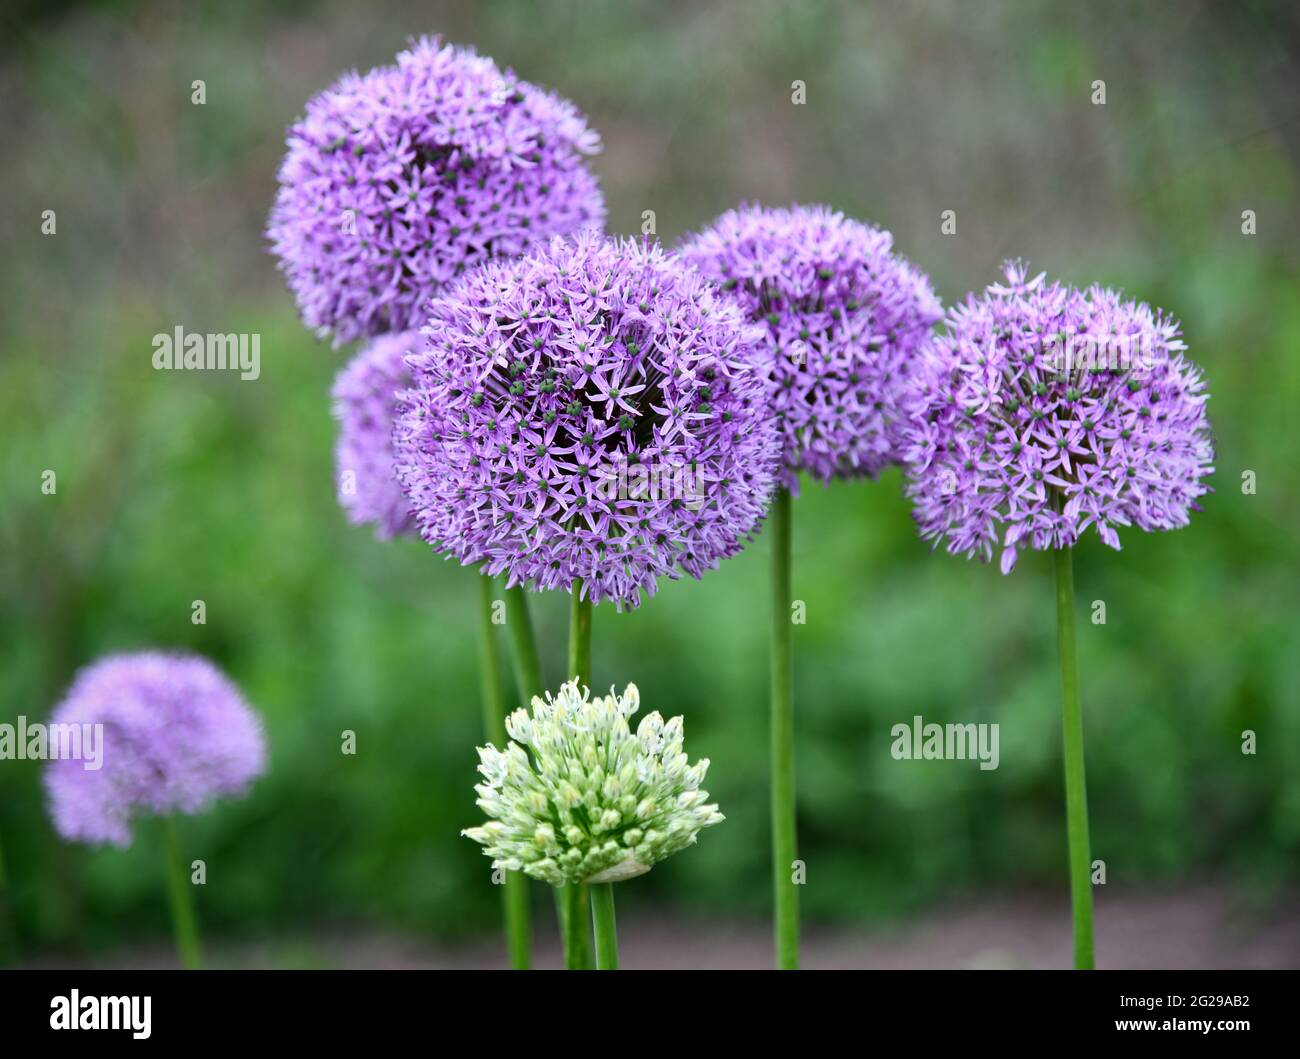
{"x":8,"y":931}
{"x":602,"y":920}
{"x":530,"y":683}
{"x":523,"y":646}
{"x":1076,"y":795}
{"x":184,"y":927}
{"x":574,"y":917}
{"x":514,"y":894}
{"x":782,"y":739}
{"x":573,"y":898}
{"x":579,"y":667}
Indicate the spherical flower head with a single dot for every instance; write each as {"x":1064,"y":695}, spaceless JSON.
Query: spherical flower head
{"x":365,"y":402}
{"x":595,"y":410}
{"x":176,"y":734}
{"x":1044,"y":410}
{"x":579,"y":797}
{"x":398,"y":181}
{"x":844,"y":318}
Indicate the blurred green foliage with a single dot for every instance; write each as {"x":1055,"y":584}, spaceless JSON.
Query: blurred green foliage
{"x":177,"y":487}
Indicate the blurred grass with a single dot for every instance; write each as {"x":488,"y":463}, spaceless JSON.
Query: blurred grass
{"x":176,"y":487}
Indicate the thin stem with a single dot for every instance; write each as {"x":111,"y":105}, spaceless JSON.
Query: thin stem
{"x":8,"y":932}
{"x":562,"y":917}
{"x":579,"y":667}
{"x":573,"y":899}
{"x":184,"y":928}
{"x":574,"y":917}
{"x":523,"y":646}
{"x":782,"y":738}
{"x":528,"y":675}
{"x":514,"y":893}
{"x":602,"y":921}
{"x":1076,"y":795}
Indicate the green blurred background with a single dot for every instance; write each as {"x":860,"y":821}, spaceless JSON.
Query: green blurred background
{"x":184,"y":486}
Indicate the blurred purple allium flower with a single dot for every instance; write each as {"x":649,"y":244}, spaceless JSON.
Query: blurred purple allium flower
{"x":594,"y":410}
{"x":845,"y":317}
{"x":176,"y":735}
{"x":399,"y":180}
{"x":1042,"y":396}
{"x":365,"y":400}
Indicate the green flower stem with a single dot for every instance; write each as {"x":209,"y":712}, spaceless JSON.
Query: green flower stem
{"x":573,"y":899}
{"x":8,"y":932}
{"x":574,"y":917}
{"x":514,"y":894}
{"x":529,"y":682}
{"x":579,"y":638}
{"x":602,"y":920}
{"x":782,"y":738}
{"x":1076,"y":795}
{"x":184,"y":928}
{"x":523,"y":646}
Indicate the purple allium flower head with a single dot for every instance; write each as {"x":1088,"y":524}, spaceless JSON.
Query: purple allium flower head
{"x":1044,"y":410}
{"x":176,"y":735}
{"x":845,"y":317}
{"x":365,"y":400}
{"x":594,"y":410}
{"x":398,"y":181}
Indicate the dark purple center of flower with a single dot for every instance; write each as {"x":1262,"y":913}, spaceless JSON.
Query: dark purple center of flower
{"x":602,"y":407}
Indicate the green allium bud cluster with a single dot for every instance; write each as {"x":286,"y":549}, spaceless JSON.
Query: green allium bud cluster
{"x":577,"y":797}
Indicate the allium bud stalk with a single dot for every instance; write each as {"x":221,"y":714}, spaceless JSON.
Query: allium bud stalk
{"x":1043,"y":411}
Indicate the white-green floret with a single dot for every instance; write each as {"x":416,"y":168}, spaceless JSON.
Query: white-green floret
{"x":577,"y":797}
